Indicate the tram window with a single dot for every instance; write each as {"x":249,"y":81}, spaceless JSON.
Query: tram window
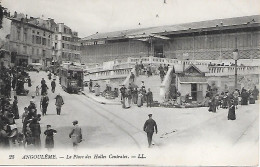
{"x":73,"y":75}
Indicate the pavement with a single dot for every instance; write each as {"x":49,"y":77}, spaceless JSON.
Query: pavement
{"x":100,"y":99}
{"x":190,"y":136}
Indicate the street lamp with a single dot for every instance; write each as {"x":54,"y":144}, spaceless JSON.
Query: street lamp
{"x":235,"y":57}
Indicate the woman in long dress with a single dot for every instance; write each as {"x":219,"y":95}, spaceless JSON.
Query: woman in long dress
{"x":139,"y":99}
{"x":232,"y":111}
{"x":49,"y":141}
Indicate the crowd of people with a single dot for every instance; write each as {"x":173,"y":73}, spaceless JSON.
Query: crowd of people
{"x":29,"y":135}
{"x":132,"y":95}
{"x":141,"y":69}
{"x":230,"y":100}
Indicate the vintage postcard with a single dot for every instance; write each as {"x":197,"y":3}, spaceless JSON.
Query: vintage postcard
{"x":129,"y":82}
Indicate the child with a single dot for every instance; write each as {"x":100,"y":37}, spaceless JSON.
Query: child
{"x":37,"y":92}
{"x":49,"y":141}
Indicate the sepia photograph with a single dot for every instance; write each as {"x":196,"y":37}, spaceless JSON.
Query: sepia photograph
{"x":129,"y":82}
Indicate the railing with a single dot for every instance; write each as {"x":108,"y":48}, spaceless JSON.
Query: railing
{"x":226,"y":71}
{"x":107,"y":74}
{"x":126,"y":81}
{"x":121,"y":69}
{"x":165,"y":86}
{"x":158,"y":60}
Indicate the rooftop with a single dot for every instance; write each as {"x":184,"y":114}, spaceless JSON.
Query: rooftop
{"x":168,"y":29}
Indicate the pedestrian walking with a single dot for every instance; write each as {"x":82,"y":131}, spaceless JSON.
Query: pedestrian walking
{"x":90,"y":85}
{"x":37,"y":91}
{"x":44,"y":104}
{"x":236,"y":95}
{"x":232,"y":111}
{"x":137,"y":69}
{"x":149,"y":127}
{"x":123,"y":95}
{"x":36,"y":132}
{"x":244,"y":97}
{"x":129,"y":97}
{"x":140,"y":99}
{"x":59,"y":102}
{"x":162,"y":74}
{"x":44,"y":88}
{"x":132,"y":77}
{"x":43,"y":81}
{"x":149,"y":98}
{"x":29,"y":82}
{"x":32,"y":108}
{"x":75,"y":134}
{"x":212,"y":105}
{"x":135,"y":95}
{"x":53,"y":85}
{"x":49,"y":76}
{"x":49,"y":140}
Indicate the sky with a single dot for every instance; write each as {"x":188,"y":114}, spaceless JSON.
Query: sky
{"x":90,"y":16}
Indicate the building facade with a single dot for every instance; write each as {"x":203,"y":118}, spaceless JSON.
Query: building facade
{"x":31,"y":40}
{"x":65,"y":44}
{"x":207,"y":40}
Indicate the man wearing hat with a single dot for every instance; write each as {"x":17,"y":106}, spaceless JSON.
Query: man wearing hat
{"x":44,"y":104}
{"x":149,"y":127}
{"x":75,"y":134}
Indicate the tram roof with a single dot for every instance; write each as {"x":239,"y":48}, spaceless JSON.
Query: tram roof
{"x":72,"y":67}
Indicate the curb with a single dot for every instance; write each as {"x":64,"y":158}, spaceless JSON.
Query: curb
{"x":101,"y":102}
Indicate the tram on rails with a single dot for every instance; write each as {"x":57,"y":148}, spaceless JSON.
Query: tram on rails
{"x":71,"y":78}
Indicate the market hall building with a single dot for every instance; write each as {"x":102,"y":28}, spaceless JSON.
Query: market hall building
{"x":205,"y":40}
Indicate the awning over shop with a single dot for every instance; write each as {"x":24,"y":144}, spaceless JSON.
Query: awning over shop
{"x":191,"y":79}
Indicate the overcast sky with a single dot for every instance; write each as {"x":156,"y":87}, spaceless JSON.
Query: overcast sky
{"x":91,"y":16}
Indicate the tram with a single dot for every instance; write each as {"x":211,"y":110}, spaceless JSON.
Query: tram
{"x":71,"y":78}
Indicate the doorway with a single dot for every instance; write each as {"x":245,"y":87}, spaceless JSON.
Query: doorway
{"x":158,"y":51}
{"x":194,"y":91}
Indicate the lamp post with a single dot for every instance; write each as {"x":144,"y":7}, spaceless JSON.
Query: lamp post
{"x":235,"y":54}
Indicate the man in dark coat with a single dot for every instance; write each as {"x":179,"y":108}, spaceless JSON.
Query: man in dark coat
{"x":149,"y":127}
{"x":75,"y":134}
{"x":44,"y":104}
{"x":44,"y":88}
{"x":43,"y":81}
{"x":244,"y":97}
{"x":149,"y":98}
{"x":53,"y":85}
{"x":59,"y":102}
{"x":32,"y":106}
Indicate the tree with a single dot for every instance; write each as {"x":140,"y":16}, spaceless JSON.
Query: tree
{"x":3,"y":13}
